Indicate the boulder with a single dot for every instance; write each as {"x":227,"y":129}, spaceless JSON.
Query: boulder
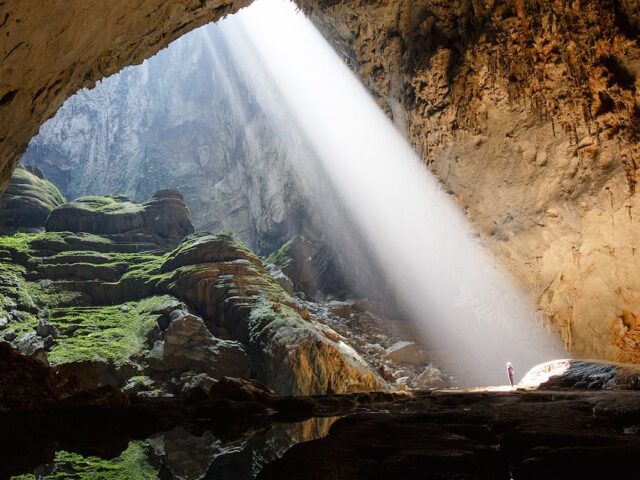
{"x":241,"y":390}
{"x":27,"y":202}
{"x":32,"y":345}
{"x":189,"y":346}
{"x":45,"y":329}
{"x":279,"y":276}
{"x":404,"y":352}
{"x":167,"y":216}
{"x":340,"y":309}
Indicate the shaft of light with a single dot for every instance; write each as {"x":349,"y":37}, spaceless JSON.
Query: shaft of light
{"x":466,"y":306}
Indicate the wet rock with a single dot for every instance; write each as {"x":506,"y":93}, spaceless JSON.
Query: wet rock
{"x":241,"y":390}
{"x":579,"y":374}
{"x":449,"y":435}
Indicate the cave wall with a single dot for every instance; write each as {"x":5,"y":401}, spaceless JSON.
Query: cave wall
{"x":528,"y":112}
{"x":48,"y":52}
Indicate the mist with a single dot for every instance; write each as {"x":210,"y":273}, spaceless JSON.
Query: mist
{"x":464,"y":304}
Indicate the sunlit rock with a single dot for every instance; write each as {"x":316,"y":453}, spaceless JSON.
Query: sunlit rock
{"x":582,"y":374}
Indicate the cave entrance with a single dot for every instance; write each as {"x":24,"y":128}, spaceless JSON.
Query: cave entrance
{"x":241,"y":118}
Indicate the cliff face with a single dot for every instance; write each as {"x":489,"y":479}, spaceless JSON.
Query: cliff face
{"x":528,"y":112}
{"x":186,"y":120}
{"x":48,"y":52}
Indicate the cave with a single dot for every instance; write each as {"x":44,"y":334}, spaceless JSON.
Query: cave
{"x":341,"y":239}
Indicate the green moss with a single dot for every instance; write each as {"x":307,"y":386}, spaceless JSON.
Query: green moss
{"x":132,"y":464}
{"x":108,"y":204}
{"x":143,"y":266}
{"x":267,"y":318}
{"x":17,"y":297}
{"x":110,"y":333}
{"x":46,"y":191}
{"x":20,"y":242}
{"x":281,"y":256}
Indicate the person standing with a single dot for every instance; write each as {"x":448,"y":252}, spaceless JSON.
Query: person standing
{"x":510,"y":372}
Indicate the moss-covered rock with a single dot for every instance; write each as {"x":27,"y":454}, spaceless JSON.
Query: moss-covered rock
{"x":162,"y":222}
{"x":27,"y":202}
{"x":236,"y":293}
{"x":113,"y":311}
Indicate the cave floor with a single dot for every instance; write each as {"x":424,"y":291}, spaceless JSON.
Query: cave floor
{"x":462,"y":434}
{"x":479,"y":435}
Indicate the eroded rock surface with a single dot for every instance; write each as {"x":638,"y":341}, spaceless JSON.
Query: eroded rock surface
{"x":164,"y":219}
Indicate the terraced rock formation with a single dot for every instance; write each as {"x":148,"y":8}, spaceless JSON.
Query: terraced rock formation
{"x":116,"y":293}
{"x":163,"y":220}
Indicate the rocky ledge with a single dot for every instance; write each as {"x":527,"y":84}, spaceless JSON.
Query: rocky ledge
{"x":163,"y":221}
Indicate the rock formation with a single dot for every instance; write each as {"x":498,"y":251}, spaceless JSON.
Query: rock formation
{"x":544,"y":97}
{"x":310,"y":266}
{"x":27,"y":202}
{"x":99,"y":297}
{"x":527,"y":111}
{"x":583,"y":374}
{"x":163,"y":220}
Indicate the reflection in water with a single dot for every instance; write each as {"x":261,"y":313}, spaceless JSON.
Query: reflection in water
{"x":180,"y":454}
